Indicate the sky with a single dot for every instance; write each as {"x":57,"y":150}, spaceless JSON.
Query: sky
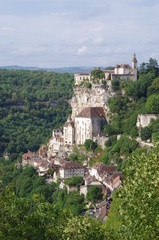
{"x":68,"y":33}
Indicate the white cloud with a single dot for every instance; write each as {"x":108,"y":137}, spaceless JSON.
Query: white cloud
{"x":7,"y":29}
{"x":81,"y":50}
{"x":74,"y":33}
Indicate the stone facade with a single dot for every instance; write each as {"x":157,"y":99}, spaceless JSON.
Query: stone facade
{"x":69,"y":132}
{"x":89,"y":123}
{"x":143,"y":120}
{"x":55,"y":142}
{"x":71,"y":169}
{"x":123,"y":71}
{"x":80,"y":77}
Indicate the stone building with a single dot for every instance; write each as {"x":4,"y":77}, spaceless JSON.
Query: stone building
{"x":69,"y":132}
{"x":89,"y":123}
{"x":55,"y":142}
{"x":123,"y":71}
{"x":80,"y":77}
{"x":70,"y":169}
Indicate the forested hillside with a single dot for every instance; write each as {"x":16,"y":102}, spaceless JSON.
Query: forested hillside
{"x":32,"y":103}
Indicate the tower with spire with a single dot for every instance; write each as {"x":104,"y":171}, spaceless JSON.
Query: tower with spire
{"x":134,"y":66}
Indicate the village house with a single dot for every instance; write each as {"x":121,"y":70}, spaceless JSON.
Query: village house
{"x":39,"y":164}
{"x":43,"y":152}
{"x":70,"y":169}
{"x":55,"y":142}
{"x":109,"y":176}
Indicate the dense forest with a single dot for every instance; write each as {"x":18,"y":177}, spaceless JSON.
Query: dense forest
{"x":31,"y":105}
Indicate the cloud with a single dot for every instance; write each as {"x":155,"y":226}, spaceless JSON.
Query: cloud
{"x":7,"y":29}
{"x":81,"y":50}
{"x":55,"y":33}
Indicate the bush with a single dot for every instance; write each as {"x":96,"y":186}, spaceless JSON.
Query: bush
{"x":90,"y":145}
{"x":146,"y":133}
{"x":116,"y":84}
{"x":94,"y":194}
{"x":75,"y":181}
{"x":97,"y":74}
{"x":88,"y":84}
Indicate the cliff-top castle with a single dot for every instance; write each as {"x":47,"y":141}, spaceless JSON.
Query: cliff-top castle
{"x":89,"y":108}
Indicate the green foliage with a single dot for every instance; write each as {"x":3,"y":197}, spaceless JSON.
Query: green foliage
{"x":155,"y":130}
{"x":146,"y":133}
{"x":88,"y":84}
{"x":83,"y":228}
{"x":32,"y":103}
{"x":114,"y":219}
{"x":154,"y":88}
{"x":139,"y":88}
{"x":73,"y":157}
{"x":152,"y":103}
{"x":125,"y":145}
{"x":75,"y":181}
{"x":90,"y":145}
{"x":94,"y":194}
{"x":116,"y":84}
{"x":140,"y":197}
{"x":74,"y":202}
{"x":108,"y":129}
{"x":97,"y":74}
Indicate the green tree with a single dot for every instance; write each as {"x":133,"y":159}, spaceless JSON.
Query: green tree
{"x":140,"y":197}
{"x":97,"y":74}
{"x":152,"y":104}
{"x":94,"y":194}
{"x":146,"y":133}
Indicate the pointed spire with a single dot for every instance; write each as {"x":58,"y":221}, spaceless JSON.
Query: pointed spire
{"x":134,"y":58}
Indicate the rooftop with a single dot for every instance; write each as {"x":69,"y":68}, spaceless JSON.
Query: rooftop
{"x":92,"y":112}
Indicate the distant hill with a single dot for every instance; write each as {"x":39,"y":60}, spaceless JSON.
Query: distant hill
{"x":58,"y":70}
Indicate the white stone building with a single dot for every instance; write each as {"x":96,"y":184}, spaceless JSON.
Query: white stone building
{"x":89,"y":123}
{"x":108,"y":175}
{"x":69,"y":132}
{"x":55,"y":142}
{"x":80,"y":77}
{"x":123,"y":71}
{"x":70,"y":169}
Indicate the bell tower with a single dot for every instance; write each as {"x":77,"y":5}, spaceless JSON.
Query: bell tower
{"x":134,"y":66}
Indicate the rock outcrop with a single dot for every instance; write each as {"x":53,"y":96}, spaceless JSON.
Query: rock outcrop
{"x":96,"y":96}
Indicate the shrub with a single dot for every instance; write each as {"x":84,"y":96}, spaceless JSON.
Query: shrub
{"x":146,"y":133}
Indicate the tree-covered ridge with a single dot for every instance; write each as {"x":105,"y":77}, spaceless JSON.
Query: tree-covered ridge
{"x":32,"y":103}
{"x":31,"y":209}
{"x":132,"y":98}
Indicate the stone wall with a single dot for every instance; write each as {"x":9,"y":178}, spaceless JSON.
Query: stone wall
{"x":143,"y":120}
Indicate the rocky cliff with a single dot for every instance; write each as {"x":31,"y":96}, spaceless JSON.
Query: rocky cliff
{"x":96,"y":96}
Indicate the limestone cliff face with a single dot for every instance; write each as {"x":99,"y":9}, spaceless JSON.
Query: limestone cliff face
{"x":96,"y":96}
